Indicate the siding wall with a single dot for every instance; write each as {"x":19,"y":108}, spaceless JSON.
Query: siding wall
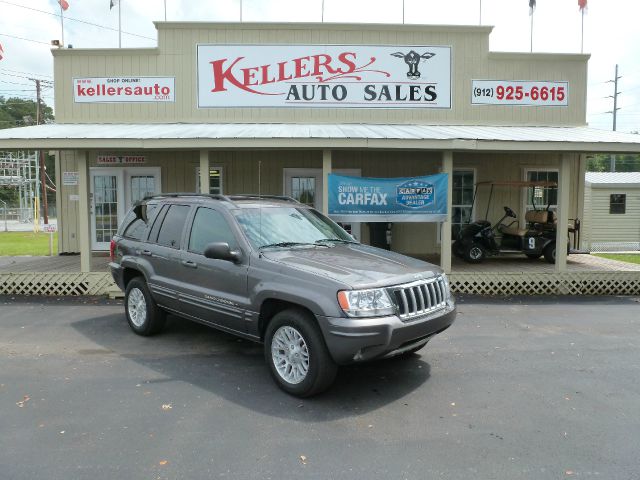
{"x":176,"y":56}
{"x":605,"y":227}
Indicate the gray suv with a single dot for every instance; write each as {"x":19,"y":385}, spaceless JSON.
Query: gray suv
{"x":275,"y":271}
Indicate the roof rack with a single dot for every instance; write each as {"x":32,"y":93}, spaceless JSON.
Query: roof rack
{"x":260,"y":197}
{"x":188,"y":194}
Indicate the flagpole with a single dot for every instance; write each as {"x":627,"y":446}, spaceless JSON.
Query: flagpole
{"x":403,"y":12}
{"x":322,"y":15}
{"x":165,"y":10}
{"x":532,"y":31}
{"x":582,"y":35}
{"x":480,"y":21}
{"x":62,"y":23}
{"x":120,"y":24}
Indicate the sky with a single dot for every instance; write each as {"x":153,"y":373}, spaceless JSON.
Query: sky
{"x":611,"y":35}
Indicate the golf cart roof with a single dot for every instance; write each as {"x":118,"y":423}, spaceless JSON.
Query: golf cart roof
{"x":518,"y":183}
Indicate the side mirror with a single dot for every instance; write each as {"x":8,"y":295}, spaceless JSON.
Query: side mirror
{"x":222,"y":251}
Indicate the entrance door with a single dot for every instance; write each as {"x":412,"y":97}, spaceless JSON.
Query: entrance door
{"x":106,"y":206}
{"x":305,"y":185}
{"x":113,"y":191}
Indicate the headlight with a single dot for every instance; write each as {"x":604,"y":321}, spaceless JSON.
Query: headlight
{"x":366,"y":303}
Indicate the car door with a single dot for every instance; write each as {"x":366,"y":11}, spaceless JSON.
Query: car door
{"x":163,"y":248}
{"x":217,"y":289}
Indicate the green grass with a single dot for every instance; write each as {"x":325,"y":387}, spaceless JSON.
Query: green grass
{"x":26,"y":243}
{"x":622,"y":257}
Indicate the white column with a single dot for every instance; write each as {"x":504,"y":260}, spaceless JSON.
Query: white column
{"x":84,"y":220}
{"x":326,"y":170}
{"x":445,"y":245}
{"x":204,"y":171}
{"x":564,"y":185}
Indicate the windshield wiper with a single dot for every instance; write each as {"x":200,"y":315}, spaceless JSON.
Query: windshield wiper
{"x":334,"y":240}
{"x":286,"y":244}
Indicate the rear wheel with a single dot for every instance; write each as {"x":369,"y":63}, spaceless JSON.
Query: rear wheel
{"x":550,"y":253}
{"x":297,"y":355}
{"x":474,"y":253}
{"x":143,"y":314}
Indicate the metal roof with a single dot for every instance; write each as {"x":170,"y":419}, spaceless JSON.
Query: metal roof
{"x":240,"y":135}
{"x":613,"y":178}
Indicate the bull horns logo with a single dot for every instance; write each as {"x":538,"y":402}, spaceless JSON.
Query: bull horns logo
{"x":412,"y":59}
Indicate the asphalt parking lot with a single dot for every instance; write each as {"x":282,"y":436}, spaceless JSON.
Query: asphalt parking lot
{"x":518,"y":388}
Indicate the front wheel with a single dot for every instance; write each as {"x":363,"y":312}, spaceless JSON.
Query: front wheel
{"x":297,"y":355}
{"x":474,"y":253}
{"x":143,"y":314}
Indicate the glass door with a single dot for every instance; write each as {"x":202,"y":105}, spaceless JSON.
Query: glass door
{"x":106,"y":206}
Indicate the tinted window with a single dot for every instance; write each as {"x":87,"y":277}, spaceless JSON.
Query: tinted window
{"x":617,"y":203}
{"x":153,"y":235}
{"x":172,"y":225}
{"x":209,"y":226}
{"x":135,"y":227}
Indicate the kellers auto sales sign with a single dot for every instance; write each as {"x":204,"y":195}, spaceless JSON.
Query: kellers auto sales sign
{"x":342,"y":76}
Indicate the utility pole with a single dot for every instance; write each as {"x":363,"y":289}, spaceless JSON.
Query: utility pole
{"x":43,"y":183}
{"x":615,"y":110}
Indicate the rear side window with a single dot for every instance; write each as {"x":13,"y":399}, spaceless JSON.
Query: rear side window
{"x":134,"y":227}
{"x":209,"y":226}
{"x":172,"y":226}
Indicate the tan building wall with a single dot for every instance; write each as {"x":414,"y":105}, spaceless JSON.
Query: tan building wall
{"x":176,"y":56}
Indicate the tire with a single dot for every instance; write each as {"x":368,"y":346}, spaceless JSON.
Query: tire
{"x":143,"y":314}
{"x":550,"y":253}
{"x":474,"y":253}
{"x":314,"y":369}
{"x":533,"y":256}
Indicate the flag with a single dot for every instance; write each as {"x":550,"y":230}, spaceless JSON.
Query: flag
{"x":64,"y":4}
{"x":113,"y":3}
{"x":1,"y":52}
{"x":532,"y":6}
{"x":582,"y":4}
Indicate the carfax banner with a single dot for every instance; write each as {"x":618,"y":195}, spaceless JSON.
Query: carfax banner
{"x":409,"y":199}
{"x":343,"y":76}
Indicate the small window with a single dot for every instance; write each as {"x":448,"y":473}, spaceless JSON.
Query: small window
{"x":617,"y":203}
{"x":209,"y":226}
{"x":135,"y":227}
{"x":462,"y":200}
{"x":542,"y":196}
{"x":172,"y":226}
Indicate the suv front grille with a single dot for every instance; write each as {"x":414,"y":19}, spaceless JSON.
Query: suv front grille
{"x":420,"y":298}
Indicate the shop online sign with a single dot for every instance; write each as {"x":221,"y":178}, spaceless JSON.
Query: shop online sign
{"x":343,"y":76}
{"x":412,"y":199}
{"x":124,"y":89}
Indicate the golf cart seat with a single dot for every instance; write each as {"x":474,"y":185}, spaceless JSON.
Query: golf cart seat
{"x":532,"y":217}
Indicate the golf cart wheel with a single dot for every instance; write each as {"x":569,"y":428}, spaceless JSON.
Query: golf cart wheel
{"x":297,"y":355}
{"x":145,"y":317}
{"x":533,"y":256}
{"x":474,"y":253}
{"x":550,"y":253}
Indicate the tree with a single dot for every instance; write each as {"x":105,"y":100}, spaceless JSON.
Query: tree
{"x":602,"y":162}
{"x":18,"y":112}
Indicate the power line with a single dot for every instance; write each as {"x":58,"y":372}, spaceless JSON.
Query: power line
{"x":27,"y":73}
{"x":22,"y":38}
{"x":77,"y":20}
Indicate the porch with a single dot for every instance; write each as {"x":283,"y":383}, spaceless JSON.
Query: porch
{"x":507,"y":275}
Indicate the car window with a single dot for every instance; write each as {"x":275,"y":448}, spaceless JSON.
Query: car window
{"x":135,"y":227}
{"x":209,"y":226}
{"x":153,"y":235}
{"x":172,"y":225}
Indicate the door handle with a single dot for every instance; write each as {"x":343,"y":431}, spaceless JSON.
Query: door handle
{"x":189,"y":263}
{"x":146,"y":252}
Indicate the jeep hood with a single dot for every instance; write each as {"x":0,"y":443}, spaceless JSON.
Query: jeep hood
{"x":356,"y":265}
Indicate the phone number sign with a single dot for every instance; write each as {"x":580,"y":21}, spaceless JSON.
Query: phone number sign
{"x":519,"y":92}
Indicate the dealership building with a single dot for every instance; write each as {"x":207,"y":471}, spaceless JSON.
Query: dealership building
{"x":265,"y":108}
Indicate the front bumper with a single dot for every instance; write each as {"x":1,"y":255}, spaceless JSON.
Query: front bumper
{"x":358,"y":339}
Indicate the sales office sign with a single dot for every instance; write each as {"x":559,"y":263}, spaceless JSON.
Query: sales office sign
{"x":124,"y":89}
{"x":343,"y":76}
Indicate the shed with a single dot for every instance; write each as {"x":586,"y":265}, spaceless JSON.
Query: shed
{"x":611,"y":211}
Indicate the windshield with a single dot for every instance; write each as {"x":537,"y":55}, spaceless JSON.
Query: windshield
{"x":288,"y":226}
